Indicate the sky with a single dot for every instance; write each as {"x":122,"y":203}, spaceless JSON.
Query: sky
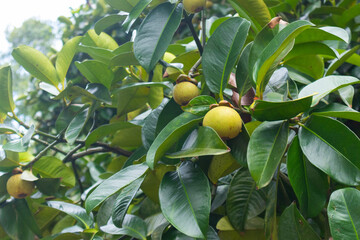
{"x":14,"y":12}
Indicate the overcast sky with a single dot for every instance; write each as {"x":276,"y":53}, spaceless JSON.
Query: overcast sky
{"x":14,"y":12}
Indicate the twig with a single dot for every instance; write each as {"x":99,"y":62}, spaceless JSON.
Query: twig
{"x":88,"y":152}
{"x":68,"y":156}
{"x":74,"y":166}
{"x":193,"y":32}
{"x":42,"y":153}
{"x":113,"y":149}
{"x":193,"y":68}
{"x":47,"y":144}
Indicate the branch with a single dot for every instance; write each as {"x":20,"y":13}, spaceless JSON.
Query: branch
{"x":193,"y":32}
{"x":47,"y":144}
{"x":68,"y":156}
{"x":74,"y":166}
{"x":193,"y":68}
{"x":88,"y":152}
{"x":42,"y":153}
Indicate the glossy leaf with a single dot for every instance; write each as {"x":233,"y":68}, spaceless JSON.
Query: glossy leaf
{"x":102,"y":40}
{"x":36,"y":63}
{"x":319,"y":140}
{"x":48,"y":186}
{"x":6,"y":129}
{"x":199,"y":105}
{"x":266,"y":148}
{"x":96,"y":72}
{"x":256,"y":9}
{"x":124,"y":56}
{"x":6,"y":94}
{"x":124,"y":5}
{"x":185,"y":200}
{"x":135,"y":13}
{"x":309,"y":183}
{"x":51,"y":167}
{"x":311,"y":65}
{"x":243,"y":82}
{"x":335,"y":64}
{"x":221,"y":52}
{"x":173,"y":131}
{"x":65,"y":57}
{"x":271,"y":111}
{"x":325,"y":86}
{"x":338,"y":111}
{"x":155,"y":34}
{"x":113,"y":184}
{"x":207,"y":142}
{"x":132,"y":226}
{"x":344,"y":214}
{"x":105,"y":130}
{"x":76,"y":125}
{"x":108,"y":21}
{"x":294,"y":226}
{"x":311,"y":48}
{"x":22,"y":144}
{"x":124,"y":200}
{"x":239,"y":146}
{"x":271,"y":218}
{"x":323,"y":33}
{"x":244,"y":200}
{"x":73,"y":210}
{"x":274,"y":52}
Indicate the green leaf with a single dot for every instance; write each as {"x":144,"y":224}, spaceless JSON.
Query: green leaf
{"x":10,"y":161}
{"x":100,"y":54}
{"x":48,"y":186}
{"x":105,"y":130}
{"x":73,"y":210}
{"x":256,"y":9}
{"x":207,"y":142}
{"x":335,"y":64}
{"x":124,"y":56}
{"x":199,"y":105}
{"x":309,"y":183}
{"x":76,"y":125}
{"x":123,"y":5}
{"x":173,"y":131}
{"x":155,"y":34}
{"x":243,"y":82}
{"x":6,"y":94}
{"x":22,"y":144}
{"x":266,"y":148}
{"x":344,"y":214}
{"x":185,"y":199}
{"x":311,"y":48}
{"x":319,"y":140}
{"x":108,"y":21}
{"x":51,"y":167}
{"x":274,"y":52}
{"x":325,"y":86}
{"x":125,"y":87}
{"x":135,"y":13}
{"x":96,"y":72}
{"x":36,"y":63}
{"x":294,"y":226}
{"x":27,"y":216}
{"x":65,"y":57}
{"x":221,"y":52}
{"x":244,"y":201}
{"x":323,"y":33}
{"x":132,"y":226}
{"x":338,"y":111}
{"x":124,"y":200}
{"x":312,"y":65}
{"x":102,"y":40}
{"x":113,"y":184}
{"x":6,"y":129}
{"x":271,"y":111}
{"x":239,"y":146}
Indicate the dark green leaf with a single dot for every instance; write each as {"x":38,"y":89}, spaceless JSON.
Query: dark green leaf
{"x":173,"y":131}
{"x":108,"y":21}
{"x":319,"y":140}
{"x":135,"y":13}
{"x":309,"y":183}
{"x":113,"y":184}
{"x":271,"y":111}
{"x":207,"y":142}
{"x":243,"y":82}
{"x":124,"y":56}
{"x":339,"y":111}
{"x":124,"y":200}
{"x":155,"y":34}
{"x":311,"y":65}
{"x":311,"y":48}
{"x":335,"y":64}
{"x":221,"y":52}
{"x":124,"y":5}
{"x":294,"y":226}
{"x":48,"y":186}
{"x":96,"y":72}
{"x":26,"y":215}
{"x":244,"y":201}
{"x":76,"y":125}
{"x":185,"y":200}
{"x":266,"y":148}
{"x":323,"y":33}
{"x":132,"y":226}
{"x":344,"y":214}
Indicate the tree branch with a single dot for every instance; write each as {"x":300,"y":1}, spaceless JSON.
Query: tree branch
{"x":193,"y":32}
{"x":88,"y":152}
{"x":42,"y":153}
{"x":47,"y":144}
